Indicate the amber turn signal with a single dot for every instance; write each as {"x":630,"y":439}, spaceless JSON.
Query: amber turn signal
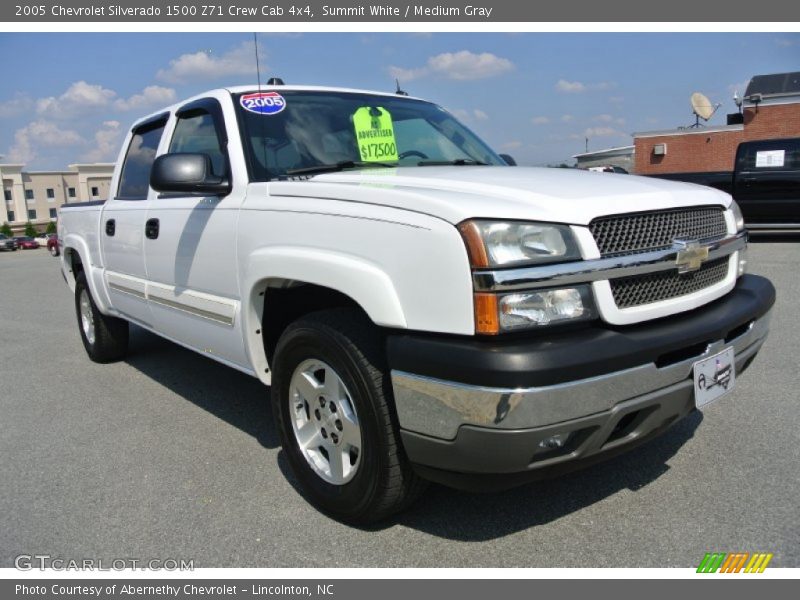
{"x":474,"y":242}
{"x":486,"y":318}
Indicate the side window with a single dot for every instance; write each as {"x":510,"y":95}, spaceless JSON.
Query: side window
{"x":134,"y":182}
{"x":787,"y":161}
{"x":196,"y":133}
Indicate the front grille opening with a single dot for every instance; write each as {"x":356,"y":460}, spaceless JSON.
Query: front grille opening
{"x":619,"y":235}
{"x":664,"y":285}
{"x":623,"y":425}
{"x":628,"y":424}
{"x":738,"y":331}
{"x":678,"y":356}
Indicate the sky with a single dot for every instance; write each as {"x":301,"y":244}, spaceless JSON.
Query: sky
{"x":70,"y":97}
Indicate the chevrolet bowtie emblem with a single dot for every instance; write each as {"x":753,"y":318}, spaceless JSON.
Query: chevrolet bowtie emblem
{"x":691,"y":255}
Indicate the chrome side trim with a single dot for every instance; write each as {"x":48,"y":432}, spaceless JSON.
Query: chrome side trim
{"x":438,"y":408}
{"x":198,"y":312}
{"x":127,"y":290}
{"x":211,"y":308}
{"x":599,"y":269}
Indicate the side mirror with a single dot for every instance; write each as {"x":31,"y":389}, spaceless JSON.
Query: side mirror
{"x":187,"y":173}
{"x":509,"y":160}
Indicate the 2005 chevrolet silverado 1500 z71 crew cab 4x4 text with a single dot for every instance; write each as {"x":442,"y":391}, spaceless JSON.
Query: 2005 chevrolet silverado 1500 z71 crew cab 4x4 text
{"x":420,"y":309}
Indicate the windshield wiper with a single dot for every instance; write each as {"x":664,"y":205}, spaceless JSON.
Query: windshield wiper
{"x":339,"y":166}
{"x":459,"y":162}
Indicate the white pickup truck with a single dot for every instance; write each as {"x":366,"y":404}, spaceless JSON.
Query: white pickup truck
{"x":421,"y":309}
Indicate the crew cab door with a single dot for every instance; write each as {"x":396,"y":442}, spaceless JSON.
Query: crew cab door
{"x":122,"y":222}
{"x":767,"y":181}
{"x":190,"y":244}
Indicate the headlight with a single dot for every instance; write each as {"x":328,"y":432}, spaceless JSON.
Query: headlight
{"x":737,"y":216}
{"x":507,"y":243}
{"x":530,"y":310}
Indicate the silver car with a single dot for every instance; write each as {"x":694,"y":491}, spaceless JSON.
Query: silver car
{"x":7,"y":243}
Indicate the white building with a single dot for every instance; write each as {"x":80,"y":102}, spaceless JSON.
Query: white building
{"x":36,"y":196}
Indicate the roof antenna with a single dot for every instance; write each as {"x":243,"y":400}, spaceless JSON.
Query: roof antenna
{"x":263,"y":131}
{"x":258,"y":67}
{"x":398,"y":91}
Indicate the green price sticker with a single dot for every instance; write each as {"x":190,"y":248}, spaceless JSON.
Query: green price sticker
{"x":375,"y":134}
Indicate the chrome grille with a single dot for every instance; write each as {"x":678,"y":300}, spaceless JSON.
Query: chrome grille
{"x":630,"y":234}
{"x":663,"y":285}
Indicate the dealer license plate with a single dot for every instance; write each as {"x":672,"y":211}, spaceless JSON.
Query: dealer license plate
{"x":714,"y":377}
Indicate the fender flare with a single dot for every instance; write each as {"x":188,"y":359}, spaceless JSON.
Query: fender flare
{"x":363,"y":281}
{"x":94,"y":275}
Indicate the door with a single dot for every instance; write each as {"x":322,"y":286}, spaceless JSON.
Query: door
{"x":767,"y":182}
{"x":123,"y":220}
{"x":190,"y":246}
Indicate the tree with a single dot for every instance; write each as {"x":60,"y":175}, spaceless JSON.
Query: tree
{"x":51,"y":227}
{"x":30,"y":230}
{"x":6,"y":229}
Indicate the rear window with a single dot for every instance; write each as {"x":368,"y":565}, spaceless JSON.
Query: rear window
{"x":771,"y":155}
{"x":134,"y":182}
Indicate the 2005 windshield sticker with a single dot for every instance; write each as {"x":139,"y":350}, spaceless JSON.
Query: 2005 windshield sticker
{"x":263,"y":103}
{"x":375,"y":134}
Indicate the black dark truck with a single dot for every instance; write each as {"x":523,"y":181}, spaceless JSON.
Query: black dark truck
{"x":765,"y":182}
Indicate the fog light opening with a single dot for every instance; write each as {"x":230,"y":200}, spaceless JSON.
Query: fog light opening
{"x":554,"y":442}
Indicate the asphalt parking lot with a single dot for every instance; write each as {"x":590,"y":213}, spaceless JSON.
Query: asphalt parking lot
{"x":171,"y":455}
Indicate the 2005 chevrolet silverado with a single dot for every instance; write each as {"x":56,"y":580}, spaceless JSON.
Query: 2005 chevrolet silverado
{"x":420,"y":309}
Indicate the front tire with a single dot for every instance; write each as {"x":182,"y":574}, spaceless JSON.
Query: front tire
{"x":105,"y":338}
{"x":332,"y":402}
{"x":54,"y":251}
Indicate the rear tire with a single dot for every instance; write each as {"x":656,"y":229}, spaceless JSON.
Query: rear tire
{"x":105,"y":338}
{"x":336,"y":357}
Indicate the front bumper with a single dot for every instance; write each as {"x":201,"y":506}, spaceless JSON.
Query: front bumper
{"x":467,"y":406}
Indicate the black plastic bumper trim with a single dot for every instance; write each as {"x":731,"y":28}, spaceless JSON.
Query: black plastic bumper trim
{"x":557,"y":357}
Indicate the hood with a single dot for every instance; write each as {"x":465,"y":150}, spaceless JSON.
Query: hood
{"x":456,"y":193}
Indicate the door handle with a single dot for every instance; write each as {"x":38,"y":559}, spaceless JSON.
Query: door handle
{"x":151,"y":229}
{"x":111,"y":227}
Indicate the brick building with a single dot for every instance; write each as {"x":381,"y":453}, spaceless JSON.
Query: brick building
{"x":770,"y":109}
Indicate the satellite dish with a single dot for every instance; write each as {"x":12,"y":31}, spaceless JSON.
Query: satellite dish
{"x":702,"y":108}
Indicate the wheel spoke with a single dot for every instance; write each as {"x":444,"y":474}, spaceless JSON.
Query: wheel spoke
{"x":307,"y":387}
{"x":336,"y":463}
{"x":308,"y":436}
{"x":351,"y":432}
{"x":334,"y":388}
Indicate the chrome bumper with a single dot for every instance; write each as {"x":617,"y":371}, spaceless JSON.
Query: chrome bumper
{"x":438,"y":408}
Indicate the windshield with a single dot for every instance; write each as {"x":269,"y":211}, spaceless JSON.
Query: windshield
{"x":291,"y":130}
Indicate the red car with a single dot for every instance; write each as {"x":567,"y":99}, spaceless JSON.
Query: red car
{"x":26,"y":243}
